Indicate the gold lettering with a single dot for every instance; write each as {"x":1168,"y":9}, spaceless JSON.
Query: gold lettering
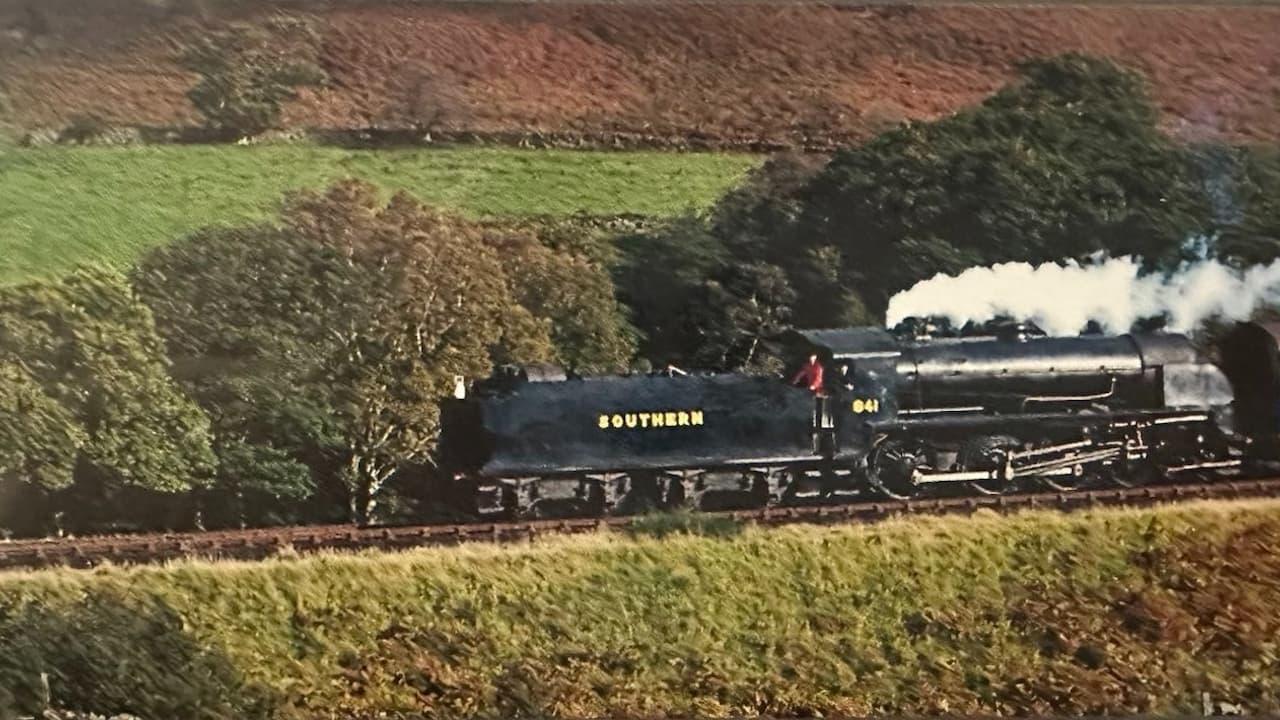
{"x":672,"y":418}
{"x":865,"y":405}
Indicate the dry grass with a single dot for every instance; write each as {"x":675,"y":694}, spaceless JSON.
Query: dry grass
{"x":1114,"y":611}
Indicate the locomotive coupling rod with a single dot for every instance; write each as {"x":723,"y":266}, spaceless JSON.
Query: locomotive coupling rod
{"x":959,"y":476}
{"x":971,"y":475}
{"x":1207,"y":465}
{"x":1038,"y":468}
{"x":1051,"y":449}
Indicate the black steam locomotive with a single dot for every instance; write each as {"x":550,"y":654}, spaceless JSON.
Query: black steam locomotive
{"x":901,"y":414}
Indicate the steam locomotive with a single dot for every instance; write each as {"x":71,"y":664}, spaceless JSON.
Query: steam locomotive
{"x":903,"y":414}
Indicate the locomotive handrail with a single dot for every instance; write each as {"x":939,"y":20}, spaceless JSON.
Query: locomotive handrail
{"x":1071,"y":398}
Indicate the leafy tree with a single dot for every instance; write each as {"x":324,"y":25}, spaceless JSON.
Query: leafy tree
{"x":759,"y":219}
{"x":575,"y":295}
{"x":660,"y":276}
{"x":243,"y":312}
{"x":86,"y":396}
{"x":247,"y":72}
{"x":432,"y":301}
{"x":353,"y":317}
{"x":744,"y":306}
{"x":1063,"y":164}
{"x":1247,"y":202}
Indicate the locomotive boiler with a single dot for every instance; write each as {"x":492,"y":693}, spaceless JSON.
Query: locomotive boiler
{"x":899,"y":415}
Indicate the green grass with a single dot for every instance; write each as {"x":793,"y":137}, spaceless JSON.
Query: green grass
{"x":62,"y":206}
{"x":1112,"y":612}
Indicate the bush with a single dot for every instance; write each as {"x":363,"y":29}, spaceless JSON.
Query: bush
{"x":247,"y":72}
{"x":83,"y":129}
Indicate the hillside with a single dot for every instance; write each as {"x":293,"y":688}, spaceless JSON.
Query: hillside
{"x":793,"y":74}
{"x":69,"y":205}
{"x":1112,"y":612}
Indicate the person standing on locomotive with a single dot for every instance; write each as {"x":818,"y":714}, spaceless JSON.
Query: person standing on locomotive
{"x":810,"y":375}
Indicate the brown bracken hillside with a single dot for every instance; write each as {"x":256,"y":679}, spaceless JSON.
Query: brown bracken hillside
{"x":794,"y":74}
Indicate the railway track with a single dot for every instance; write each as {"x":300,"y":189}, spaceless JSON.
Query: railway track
{"x":260,"y":543}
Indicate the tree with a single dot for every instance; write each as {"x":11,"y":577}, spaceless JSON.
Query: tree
{"x":328,"y":340}
{"x":588,"y":326}
{"x":243,"y":312}
{"x":86,"y":395}
{"x":1247,"y":205}
{"x":660,"y":276}
{"x":247,"y":72}
{"x":432,"y":302}
{"x":1065,"y":163}
{"x":738,"y":310}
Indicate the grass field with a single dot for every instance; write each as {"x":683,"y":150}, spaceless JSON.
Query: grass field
{"x":65,"y":205}
{"x":1111,"y":612}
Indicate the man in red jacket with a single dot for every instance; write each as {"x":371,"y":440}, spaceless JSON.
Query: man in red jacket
{"x":810,"y":375}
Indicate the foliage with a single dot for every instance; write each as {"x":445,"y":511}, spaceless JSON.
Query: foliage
{"x":1061,"y":165}
{"x":326,"y":342}
{"x":117,"y":653}
{"x":1096,"y":613}
{"x":659,"y":277}
{"x":428,"y":300}
{"x":66,"y":205}
{"x":1247,"y":201}
{"x":247,"y":72}
{"x":739,"y":310}
{"x":588,"y":326}
{"x":242,"y":312}
{"x":87,"y":397}
{"x":84,"y":358}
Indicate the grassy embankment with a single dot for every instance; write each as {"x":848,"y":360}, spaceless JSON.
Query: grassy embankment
{"x":1109,"y":612}
{"x":68,"y":205}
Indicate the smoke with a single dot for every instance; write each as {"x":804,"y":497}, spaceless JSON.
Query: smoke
{"x":1063,"y":298}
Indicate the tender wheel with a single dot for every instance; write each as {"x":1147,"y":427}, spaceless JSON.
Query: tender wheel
{"x":988,"y":453}
{"x":892,"y":466}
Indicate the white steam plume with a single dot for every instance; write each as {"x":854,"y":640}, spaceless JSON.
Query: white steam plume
{"x":1061,"y":299}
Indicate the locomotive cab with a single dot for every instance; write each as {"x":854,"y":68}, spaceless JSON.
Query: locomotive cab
{"x":1250,"y":358}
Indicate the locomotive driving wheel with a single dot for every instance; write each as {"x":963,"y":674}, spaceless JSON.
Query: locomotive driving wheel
{"x":892,"y":466}
{"x":988,"y":453}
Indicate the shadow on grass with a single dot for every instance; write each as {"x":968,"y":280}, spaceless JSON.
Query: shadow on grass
{"x":683,"y":522}
{"x":112,"y":655}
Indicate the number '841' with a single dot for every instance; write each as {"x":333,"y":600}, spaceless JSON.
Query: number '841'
{"x":866,"y":405}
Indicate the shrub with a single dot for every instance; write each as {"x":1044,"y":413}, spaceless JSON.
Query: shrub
{"x":247,"y":72}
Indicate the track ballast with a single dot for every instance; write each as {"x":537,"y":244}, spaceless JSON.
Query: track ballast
{"x":262,"y":543}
